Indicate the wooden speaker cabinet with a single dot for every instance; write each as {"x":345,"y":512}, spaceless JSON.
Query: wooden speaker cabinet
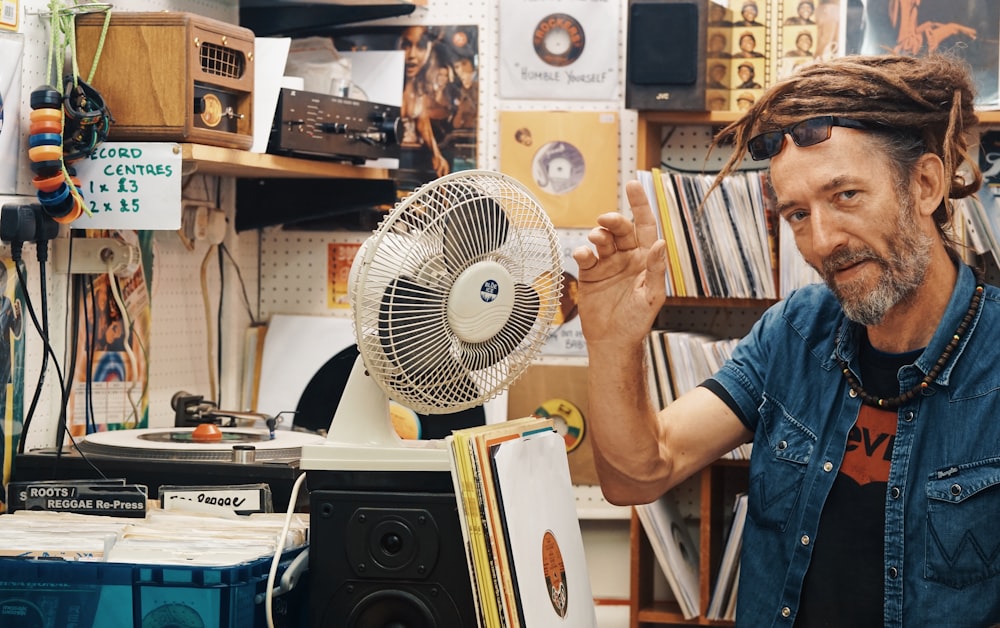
{"x":172,"y":76}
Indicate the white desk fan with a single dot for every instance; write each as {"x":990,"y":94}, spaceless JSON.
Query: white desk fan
{"x":453,"y":295}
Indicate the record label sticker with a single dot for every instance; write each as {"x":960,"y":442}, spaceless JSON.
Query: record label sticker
{"x":555,"y":573}
{"x":559,"y":39}
{"x":567,"y":420}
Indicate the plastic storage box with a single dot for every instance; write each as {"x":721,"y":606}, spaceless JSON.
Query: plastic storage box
{"x":40,"y":593}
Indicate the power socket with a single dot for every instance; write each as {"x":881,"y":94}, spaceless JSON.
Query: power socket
{"x":202,"y":223}
{"x":95,"y":256}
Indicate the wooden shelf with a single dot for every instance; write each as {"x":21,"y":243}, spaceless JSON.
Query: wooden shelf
{"x":646,"y":611}
{"x":215,"y":160}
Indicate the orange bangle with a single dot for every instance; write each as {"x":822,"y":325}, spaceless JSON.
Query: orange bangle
{"x":74,"y":213}
{"x":49,"y":184}
{"x":47,"y":113}
{"x":45,"y":126}
{"x":45,"y":152}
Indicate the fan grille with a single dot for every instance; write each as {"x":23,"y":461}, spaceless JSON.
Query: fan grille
{"x":404,"y":290}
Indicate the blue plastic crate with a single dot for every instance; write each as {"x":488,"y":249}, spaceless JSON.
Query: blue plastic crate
{"x":42,"y":593}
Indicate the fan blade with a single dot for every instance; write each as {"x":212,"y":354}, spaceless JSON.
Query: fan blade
{"x":485,"y":354}
{"x":412,"y":330}
{"x":412,"y":324}
{"x":477,"y":225}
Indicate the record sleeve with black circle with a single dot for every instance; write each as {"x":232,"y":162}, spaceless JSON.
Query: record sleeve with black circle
{"x":568,"y":46}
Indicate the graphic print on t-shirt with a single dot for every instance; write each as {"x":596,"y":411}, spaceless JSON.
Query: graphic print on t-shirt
{"x":869,"y":446}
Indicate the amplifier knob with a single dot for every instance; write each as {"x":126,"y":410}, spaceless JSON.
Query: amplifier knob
{"x":337,"y":128}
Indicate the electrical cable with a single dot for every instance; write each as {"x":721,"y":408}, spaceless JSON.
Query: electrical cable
{"x":127,"y":331}
{"x":47,"y":345}
{"x":243,"y":285}
{"x":218,"y":321}
{"x":279,"y":549}
{"x":208,"y":320}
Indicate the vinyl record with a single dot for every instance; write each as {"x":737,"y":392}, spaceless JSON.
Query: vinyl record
{"x":558,"y":39}
{"x":176,"y":444}
{"x":558,"y":167}
{"x":569,"y":421}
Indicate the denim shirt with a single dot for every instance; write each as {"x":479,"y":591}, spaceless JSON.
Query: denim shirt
{"x":942,"y":505}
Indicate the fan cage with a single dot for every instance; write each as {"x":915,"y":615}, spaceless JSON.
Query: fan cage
{"x":408,"y":266}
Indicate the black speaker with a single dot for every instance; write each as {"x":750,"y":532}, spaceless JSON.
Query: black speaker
{"x":385,"y":559}
{"x":664,"y":55}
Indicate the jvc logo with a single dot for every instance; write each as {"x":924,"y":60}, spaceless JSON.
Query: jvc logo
{"x":488,"y":291}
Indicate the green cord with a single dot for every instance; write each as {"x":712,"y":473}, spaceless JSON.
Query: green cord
{"x":62,"y":25}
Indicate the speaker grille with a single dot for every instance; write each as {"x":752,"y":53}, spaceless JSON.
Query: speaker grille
{"x":222,"y":61}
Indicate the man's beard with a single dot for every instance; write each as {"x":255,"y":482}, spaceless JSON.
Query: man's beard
{"x":903,"y":270}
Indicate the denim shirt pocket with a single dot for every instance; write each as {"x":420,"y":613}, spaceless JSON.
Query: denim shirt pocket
{"x":961,"y":546}
{"x":782,"y":451}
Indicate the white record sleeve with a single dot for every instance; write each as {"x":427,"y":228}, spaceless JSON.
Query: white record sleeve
{"x":543,"y":532}
{"x":566,"y":49}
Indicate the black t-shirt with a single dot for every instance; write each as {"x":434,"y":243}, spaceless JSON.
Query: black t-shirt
{"x":844,"y":583}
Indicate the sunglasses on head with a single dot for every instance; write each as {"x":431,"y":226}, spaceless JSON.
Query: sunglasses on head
{"x":805,"y":133}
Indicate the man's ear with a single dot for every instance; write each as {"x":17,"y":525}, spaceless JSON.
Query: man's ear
{"x":929,"y":185}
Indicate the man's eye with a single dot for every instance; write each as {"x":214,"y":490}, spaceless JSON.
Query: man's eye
{"x":847,"y":195}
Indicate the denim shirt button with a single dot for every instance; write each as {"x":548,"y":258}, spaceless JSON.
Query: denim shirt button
{"x":894,"y":492}
{"x":852,"y":393}
{"x":785,"y":611}
{"x":782,"y":445}
{"x":893,"y":572}
{"x":956,"y":489}
{"x":828,"y":466}
{"x":908,"y":416}
{"x":805,"y":539}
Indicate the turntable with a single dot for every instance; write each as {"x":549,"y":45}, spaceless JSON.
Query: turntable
{"x":206,"y":453}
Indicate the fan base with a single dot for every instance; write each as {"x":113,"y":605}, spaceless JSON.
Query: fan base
{"x":408,"y":455}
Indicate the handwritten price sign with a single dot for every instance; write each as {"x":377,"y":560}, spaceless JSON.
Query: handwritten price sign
{"x":131,"y":185}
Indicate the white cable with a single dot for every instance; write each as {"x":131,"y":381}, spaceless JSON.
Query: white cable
{"x":276,"y":560}
{"x":127,"y":331}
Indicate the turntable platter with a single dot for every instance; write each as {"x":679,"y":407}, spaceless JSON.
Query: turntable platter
{"x":177,"y":444}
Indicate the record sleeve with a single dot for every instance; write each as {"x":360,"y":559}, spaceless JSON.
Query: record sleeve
{"x":543,"y":532}
{"x":11,"y":55}
{"x":567,"y":48}
{"x":567,"y":159}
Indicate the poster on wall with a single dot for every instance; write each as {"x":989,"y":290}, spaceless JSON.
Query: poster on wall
{"x":11,"y":369}
{"x":559,"y":49}
{"x":440,"y":100}
{"x":111,"y":375}
{"x":568,"y":159}
{"x":11,"y":57}
{"x":968,"y":28}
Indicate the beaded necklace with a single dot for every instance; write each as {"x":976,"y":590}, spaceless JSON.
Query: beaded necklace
{"x":894,"y":402}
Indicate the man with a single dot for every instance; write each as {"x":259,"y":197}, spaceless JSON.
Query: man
{"x":749,"y":14}
{"x":748,"y":47}
{"x":803,"y":46}
{"x":805,"y":15}
{"x":871,"y":400}
{"x":747,"y":75}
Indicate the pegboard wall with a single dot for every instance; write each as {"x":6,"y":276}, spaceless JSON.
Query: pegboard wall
{"x":285,"y":271}
{"x":179,"y":335}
